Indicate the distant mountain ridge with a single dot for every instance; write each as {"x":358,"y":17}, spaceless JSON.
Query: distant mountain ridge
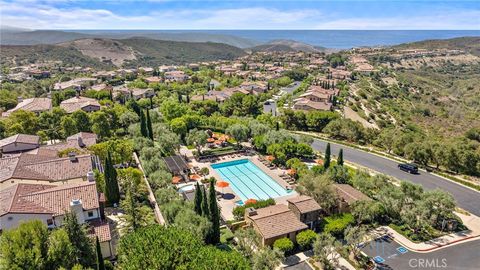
{"x":133,"y":52}
{"x":18,"y":36}
{"x":285,"y":45}
{"x":468,"y":44}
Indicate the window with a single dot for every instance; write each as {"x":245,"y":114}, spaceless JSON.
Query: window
{"x":10,"y":218}
{"x":90,"y":214}
{"x":49,"y":222}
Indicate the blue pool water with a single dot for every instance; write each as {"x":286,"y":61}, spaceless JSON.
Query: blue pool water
{"x":248,"y":181}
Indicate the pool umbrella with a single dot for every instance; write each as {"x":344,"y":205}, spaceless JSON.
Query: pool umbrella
{"x":195,"y":177}
{"x":222,"y":184}
{"x":291,"y":172}
{"x":270,"y":158}
{"x":250,"y":201}
{"x":176,"y":179}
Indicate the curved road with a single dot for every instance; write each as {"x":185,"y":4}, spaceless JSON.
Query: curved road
{"x":466,"y":198}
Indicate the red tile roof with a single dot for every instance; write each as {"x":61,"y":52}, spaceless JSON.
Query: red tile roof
{"x":305,"y":204}
{"x":44,"y":167}
{"x":34,"y":198}
{"x":349,"y":194}
{"x":20,"y":138}
{"x":100,"y":229}
{"x":276,"y":220}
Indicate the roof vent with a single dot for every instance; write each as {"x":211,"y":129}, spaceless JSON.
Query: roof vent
{"x":72,"y":157}
{"x":90,"y":176}
{"x":75,"y":202}
{"x":251,"y":211}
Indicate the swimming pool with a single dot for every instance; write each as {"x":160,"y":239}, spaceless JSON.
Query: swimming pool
{"x":248,"y":181}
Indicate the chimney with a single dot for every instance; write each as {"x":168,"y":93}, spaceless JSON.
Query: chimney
{"x":76,"y":208}
{"x":80,"y":142}
{"x":90,"y":176}
{"x":251,"y":212}
{"x":19,"y":99}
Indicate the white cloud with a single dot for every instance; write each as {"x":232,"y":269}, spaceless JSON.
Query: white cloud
{"x":49,"y":14}
{"x":440,"y":19}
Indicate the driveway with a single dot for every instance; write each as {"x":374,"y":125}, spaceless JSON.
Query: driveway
{"x":292,"y":87}
{"x":390,"y":255}
{"x":466,"y":198}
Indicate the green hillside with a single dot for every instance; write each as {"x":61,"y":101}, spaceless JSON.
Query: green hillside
{"x":468,"y":44}
{"x":156,"y":52}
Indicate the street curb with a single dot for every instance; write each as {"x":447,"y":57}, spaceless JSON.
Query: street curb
{"x":427,"y":250}
{"x":453,"y":181}
{"x":387,"y":157}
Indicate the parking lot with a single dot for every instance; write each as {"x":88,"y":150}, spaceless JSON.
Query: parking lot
{"x":389,"y":254}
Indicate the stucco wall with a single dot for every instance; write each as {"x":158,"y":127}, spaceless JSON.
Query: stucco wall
{"x":11,"y":221}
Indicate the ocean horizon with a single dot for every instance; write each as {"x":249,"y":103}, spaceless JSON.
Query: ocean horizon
{"x":337,"y":39}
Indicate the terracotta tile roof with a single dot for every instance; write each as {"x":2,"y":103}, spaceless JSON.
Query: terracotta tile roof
{"x":305,"y":204}
{"x":100,"y":229}
{"x":7,"y":167}
{"x":57,"y":199}
{"x":77,"y":103}
{"x":32,"y":105}
{"x":321,"y":95}
{"x":44,"y":167}
{"x":349,"y":194}
{"x":303,"y":103}
{"x":276,"y":220}
{"x":20,"y":138}
{"x":12,"y":201}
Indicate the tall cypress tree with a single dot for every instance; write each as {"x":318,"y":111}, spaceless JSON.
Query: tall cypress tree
{"x":205,"y":210}
{"x":326,"y":163}
{"x":143,"y":125}
{"x":214,"y":214}
{"x":149,"y":126}
{"x":340,"y":157}
{"x":78,"y":236}
{"x":198,"y":199}
{"x":112,"y":192}
{"x":100,"y":262}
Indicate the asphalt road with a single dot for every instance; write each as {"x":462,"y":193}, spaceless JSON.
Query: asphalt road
{"x":466,"y":198}
{"x":463,"y":256}
{"x":292,"y":87}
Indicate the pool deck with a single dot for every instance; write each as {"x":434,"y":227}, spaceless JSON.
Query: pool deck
{"x":227,"y":202}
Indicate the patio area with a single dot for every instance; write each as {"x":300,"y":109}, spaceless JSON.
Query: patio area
{"x":227,"y":198}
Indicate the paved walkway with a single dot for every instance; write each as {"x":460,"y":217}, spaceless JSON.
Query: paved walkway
{"x":473,"y":233}
{"x":151,"y":196}
{"x":304,"y":256}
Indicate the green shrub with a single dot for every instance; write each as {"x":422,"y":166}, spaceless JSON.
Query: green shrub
{"x":239,"y":211}
{"x":336,"y":224}
{"x":283,"y":244}
{"x":306,"y":238}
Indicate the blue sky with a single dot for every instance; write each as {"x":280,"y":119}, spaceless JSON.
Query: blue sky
{"x":196,"y":14}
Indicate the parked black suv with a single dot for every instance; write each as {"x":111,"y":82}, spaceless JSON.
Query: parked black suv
{"x":411,"y":168}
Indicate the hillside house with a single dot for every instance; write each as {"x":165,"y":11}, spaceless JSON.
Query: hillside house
{"x":306,"y":209}
{"x":49,"y":204}
{"x":347,"y":196}
{"x":46,"y":168}
{"x":274,"y":222}
{"x":80,"y":103}
{"x":19,"y":143}
{"x":36,"y":105}
{"x":176,"y":76}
